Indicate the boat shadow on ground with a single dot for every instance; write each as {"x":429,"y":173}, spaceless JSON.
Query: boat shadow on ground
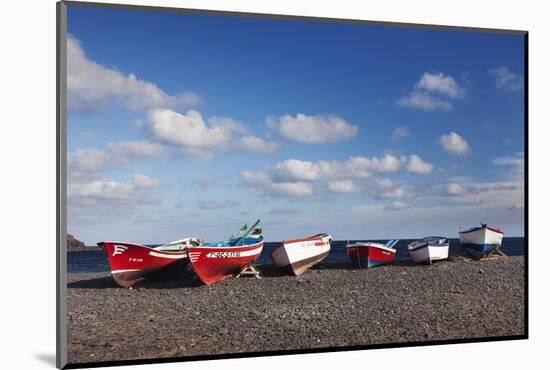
{"x":169,"y":278}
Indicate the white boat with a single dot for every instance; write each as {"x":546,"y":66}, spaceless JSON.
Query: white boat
{"x":297,"y":255}
{"x":431,"y":248}
{"x":481,"y":240}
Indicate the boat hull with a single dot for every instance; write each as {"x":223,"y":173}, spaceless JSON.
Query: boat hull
{"x":212,"y":264}
{"x":131,"y":263}
{"x":370,"y":254}
{"x":480,"y":241}
{"x":296,"y":257}
{"x":429,"y":253}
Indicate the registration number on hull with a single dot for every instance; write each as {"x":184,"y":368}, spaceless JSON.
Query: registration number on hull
{"x":223,"y":254}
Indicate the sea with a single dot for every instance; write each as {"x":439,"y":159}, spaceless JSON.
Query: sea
{"x":93,"y":259}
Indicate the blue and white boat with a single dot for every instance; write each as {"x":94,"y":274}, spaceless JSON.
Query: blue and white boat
{"x":480,"y":241}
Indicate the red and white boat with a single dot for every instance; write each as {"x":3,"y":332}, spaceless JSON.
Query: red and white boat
{"x":372,"y":254}
{"x":221,"y":260}
{"x":130,"y":262}
{"x":298,"y":255}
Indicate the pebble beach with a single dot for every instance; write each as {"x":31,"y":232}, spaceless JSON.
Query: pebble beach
{"x":331,"y":305}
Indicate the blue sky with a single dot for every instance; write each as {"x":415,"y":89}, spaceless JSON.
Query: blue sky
{"x":193,"y":125}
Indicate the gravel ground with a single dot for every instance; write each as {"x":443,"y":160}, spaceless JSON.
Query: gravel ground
{"x":172,"y":314}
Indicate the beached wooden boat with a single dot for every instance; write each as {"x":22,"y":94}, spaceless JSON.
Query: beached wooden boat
{"x":431,"y":248}
{"x":221,"y":260}
{"x":371,"y":254}
{"x":481,"y":241}
{"x":130,"y":262}
{"x":297,"y":255}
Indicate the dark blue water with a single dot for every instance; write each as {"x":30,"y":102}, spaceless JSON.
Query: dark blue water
{"x":94,"y":260}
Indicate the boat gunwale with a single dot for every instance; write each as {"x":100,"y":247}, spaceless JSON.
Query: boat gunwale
{"x":476,"y":228}
{"x":183,"y":251}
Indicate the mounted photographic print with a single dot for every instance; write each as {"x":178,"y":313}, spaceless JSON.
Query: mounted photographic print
{"x":237,"y":184}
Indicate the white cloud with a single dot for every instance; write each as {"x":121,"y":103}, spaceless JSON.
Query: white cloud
{"x":294,"y":177}
{"x":254,"y":144}
{"x":439,"y":83}
{"x":417,"y":166}
{"x":354,"y":167}
{"x":424,"y":95}
{"x":454,"y":143}
{"x":87,"y":161}
{"x":261,"y":183}
{"x":506,"y":80}
{"x":424,"y":101}
{"x":135,"y":149}
{"x":313,"y":129}
{"x":343,"y":186}
{"x":397,"y":206}
{"x":295,"y":169}
{"x":291,"y":189}
{"x":455,"y":189}
{"x":145,"y":182}
{"x":385,"y":188}
{"x":191,"y":132}
{"x":400,"y":132}
{"x":93,"y":87}
{"x":518,"y":159}
{"x":98,"y":194}
{"x":362,"y":166}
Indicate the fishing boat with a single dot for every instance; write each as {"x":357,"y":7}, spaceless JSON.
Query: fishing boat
{"x":298,"y":255}
{"x":221,"y":260}
{"x":130,"y":262}
{"x":372,"y":254}
{"x":431,"y":248}
{"x":481,"y":241}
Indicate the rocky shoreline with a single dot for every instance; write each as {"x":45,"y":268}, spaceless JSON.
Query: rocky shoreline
{"x":172,"y":314}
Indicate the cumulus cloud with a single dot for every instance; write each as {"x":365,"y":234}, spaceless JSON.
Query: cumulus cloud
{"x":506,"y":80}
{"x":135,"y":149}
{"x":417,"y":166}
{"x":191,"y":132}
{"x":397,"y":206}
{"x":254,"y":144}
{"x":343,"y":186}
{"x":93,"y":87}
{"x":516,"y":161}
{"x":99,"y":194}
{"x":400,"y":132}
{"x":424,"y":101}
{"x":353,"y":167}
{"x":432,"y":93}
{"x":145,"y":182}
{"x":454,"y":144}
{"x":455,"y":189}
{"x":362,"y":166}
{"x":88,"y":161}
{"x":437,"y":82}
{"x":294,"y":177}
{"x":313,"y":129}
{"x":261,"y":183}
